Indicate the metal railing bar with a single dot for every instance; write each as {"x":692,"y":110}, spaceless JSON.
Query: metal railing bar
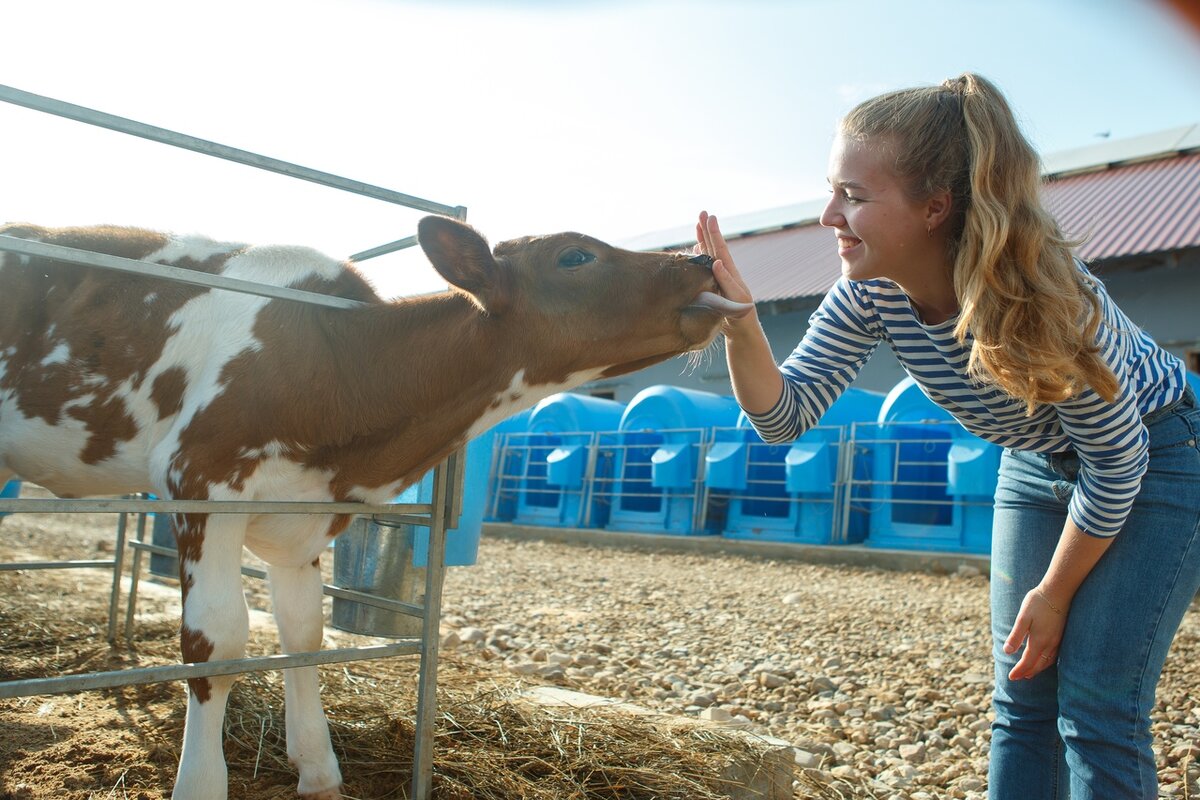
{"x":100,"y":119}
{"x":114,"y":597}
{"x":117,"y":505}
{"x":384,"y":249}
{"x":191,"y":277}
{"x":175,"y":672}
{"x":78,"y":564}
{"x":422,"y":780}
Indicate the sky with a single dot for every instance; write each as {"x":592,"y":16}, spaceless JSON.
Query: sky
{"x":611,"y":118}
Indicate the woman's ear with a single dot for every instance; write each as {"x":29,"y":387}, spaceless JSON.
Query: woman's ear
{"x":937,"y":209}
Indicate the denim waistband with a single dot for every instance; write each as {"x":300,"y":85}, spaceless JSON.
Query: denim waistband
{"x":1187,"y":401}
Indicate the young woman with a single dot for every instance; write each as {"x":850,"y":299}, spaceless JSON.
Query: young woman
{"x":949,"y":257}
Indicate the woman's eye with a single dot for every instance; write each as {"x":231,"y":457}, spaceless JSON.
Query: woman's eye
{"x":852,"y":200}
{"x":575,"y":258}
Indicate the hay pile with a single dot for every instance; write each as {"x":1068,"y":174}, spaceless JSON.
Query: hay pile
{"x":490,"y":744}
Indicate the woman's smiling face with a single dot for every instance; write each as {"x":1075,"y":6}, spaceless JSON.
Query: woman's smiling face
{"x":881,"y":231}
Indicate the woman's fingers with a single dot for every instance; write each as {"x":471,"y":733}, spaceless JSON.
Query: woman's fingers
{"x":1020,"y":630}
{"x":704,"y":235}
{"x":715,"y":237}
{"x":715,"y":245}
{"x":1030,"y":664}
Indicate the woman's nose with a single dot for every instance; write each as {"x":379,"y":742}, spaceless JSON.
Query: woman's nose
{"x":831,"y":217}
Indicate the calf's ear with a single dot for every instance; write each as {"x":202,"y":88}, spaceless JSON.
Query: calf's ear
{"x":462,"y":256}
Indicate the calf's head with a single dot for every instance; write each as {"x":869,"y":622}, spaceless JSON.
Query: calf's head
{"x":592,"y":305}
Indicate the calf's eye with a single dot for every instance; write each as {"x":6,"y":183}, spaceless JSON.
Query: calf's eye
{"x":574,"y":257}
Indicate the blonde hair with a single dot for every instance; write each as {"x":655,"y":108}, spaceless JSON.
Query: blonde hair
{"x":1030,"y":310}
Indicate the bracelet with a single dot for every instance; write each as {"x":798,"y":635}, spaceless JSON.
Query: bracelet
{"x":1046,"y":600}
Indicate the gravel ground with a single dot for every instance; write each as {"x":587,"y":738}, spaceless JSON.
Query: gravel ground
{"x":880,"y":680}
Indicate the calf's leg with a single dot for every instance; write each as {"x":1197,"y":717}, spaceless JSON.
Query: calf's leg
{"x":296,"y":596}
{"x":215,"y":627}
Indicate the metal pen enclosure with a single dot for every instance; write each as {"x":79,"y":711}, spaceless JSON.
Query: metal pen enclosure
{"x":438,"y":515}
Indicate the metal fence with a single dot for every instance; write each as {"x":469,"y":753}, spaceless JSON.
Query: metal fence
{"x":438,"y":515}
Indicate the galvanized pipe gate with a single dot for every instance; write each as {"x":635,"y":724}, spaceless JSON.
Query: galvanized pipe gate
{"x":438,"y":515}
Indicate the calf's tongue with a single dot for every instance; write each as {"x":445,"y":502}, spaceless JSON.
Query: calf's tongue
{"x":722,"y":305}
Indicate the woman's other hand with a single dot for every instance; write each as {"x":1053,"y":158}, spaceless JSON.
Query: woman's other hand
{"x":1039,"y":625}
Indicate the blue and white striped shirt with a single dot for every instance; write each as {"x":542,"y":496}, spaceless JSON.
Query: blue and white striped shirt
{"x":1110,"y":439}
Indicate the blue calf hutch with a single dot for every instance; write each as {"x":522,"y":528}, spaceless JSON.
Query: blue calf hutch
{"x":10,"y":491}
{"x":933,"y":481}
{"x":559,"y":461}
{"x":656,"y":452}
{"x":793,"y":492}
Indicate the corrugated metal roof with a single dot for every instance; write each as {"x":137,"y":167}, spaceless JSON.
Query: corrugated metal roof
{"x":1121,"y":198}
{"x":1144,"y":208}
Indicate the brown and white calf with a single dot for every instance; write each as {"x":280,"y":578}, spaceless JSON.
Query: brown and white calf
{"x":112,"y":383}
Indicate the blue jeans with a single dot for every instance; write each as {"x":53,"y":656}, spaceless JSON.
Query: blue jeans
{"x":1081,"y":729}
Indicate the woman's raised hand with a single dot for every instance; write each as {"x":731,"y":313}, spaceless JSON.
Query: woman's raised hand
{"x":710,"y":241}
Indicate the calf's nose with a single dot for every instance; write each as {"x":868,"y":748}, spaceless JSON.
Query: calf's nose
{"x":703,"y":260}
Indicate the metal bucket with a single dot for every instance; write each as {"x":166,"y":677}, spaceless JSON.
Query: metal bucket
{"x":163,"y":535}
{"x":376,"y":558}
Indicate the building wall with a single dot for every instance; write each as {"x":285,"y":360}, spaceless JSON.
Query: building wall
{"x":1161,"y":296}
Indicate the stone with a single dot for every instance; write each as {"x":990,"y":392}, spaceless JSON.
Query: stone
{"x":844,"y":750}
{"x":716,"y":714}
{"x":770,"y":680}
{"x":822,"y":683}
{"x":521,"y":667}
{"x":472,"y":635}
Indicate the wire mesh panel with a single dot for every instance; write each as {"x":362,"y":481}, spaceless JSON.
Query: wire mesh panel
{"x":545,"y":478}
{"x":930,"y":487}
{"x":782,"y":492}
{"x":657,"y":481}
